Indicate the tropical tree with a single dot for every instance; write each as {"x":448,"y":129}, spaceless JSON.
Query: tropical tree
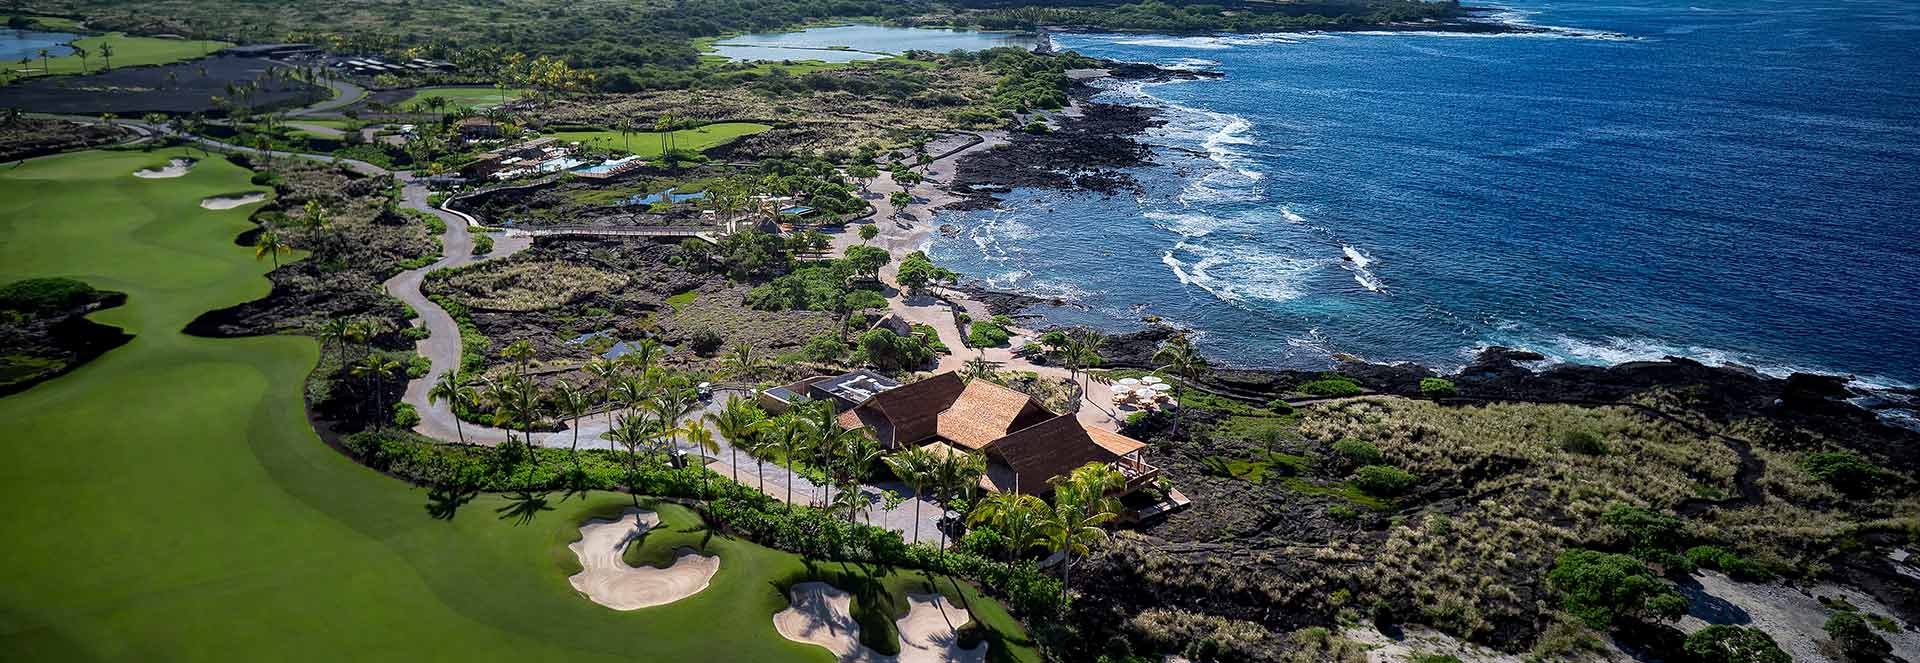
{"x":517,"y":406}
{"x":736,"y":422}
{"x":569,"y":400}
{"x":106,"y":53}
{"x":271,"y":244}
{"x":791,"y":439}
{"x":959,"y":477}
{"x":632,"y":433}
{"x":861,"y":454}
{"x":900,"y":200}
{"x":1180,"y":358}
{"x":868,"y":231}
{"x":335,"y":332}
{"x":1082,"y":503}
{"x":864,"y":173}
{"x":44,"y":69}
{"x":605,"y":372}
{"x":742,"y":361}
{"x":979,"y":367}
{"x":671,"y":403}
{"x":701,"y":439}
{"x":519,"y":352}
{"x":642,"y":355}
{"x":375,"y":369}
{"x":663,"y":125}
{"x":1022,"y":519}
{"x":919,"y":469}
{"x":77,"y":50}
{"x":457,"y":389}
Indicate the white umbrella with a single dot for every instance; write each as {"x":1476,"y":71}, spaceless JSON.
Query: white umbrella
{"x":1162,"y":387}
{"x":1129,"y":381}
{"x":1151,"y":379}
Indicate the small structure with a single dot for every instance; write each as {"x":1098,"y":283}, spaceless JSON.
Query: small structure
{"x":1026,"y":445}
{"x":846,"y":390}
{"x":478,"y":127}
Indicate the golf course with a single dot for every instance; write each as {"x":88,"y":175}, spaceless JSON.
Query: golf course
{"x":128,"y":51}
{"x":463,"y":98}
{"x":644,"y":142}
{"x":171,"y":501}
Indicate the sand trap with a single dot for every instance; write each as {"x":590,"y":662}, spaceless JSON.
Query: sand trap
{"x":232,"y":200}
{"x":174,"y":168}
{"x":823,"y":615}
{"x":608,"y":580}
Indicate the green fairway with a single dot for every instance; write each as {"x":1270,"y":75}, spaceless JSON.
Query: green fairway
{"x":169,"y":501}
{"x":127,"y":52}
{"x":647,"y":143}
{"x":462,"y":97}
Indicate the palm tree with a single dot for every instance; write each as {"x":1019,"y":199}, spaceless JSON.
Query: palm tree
{"x":335,"y":331}
{"x":375,"y":369}
{"x":792,"y":440}
{"x":519,"y":352}
{"x":671,"y":404}
{"x":44,"y":69}
{"x":701,"y":439}
{"x":517,"y":405}
{"x":644,"y":354}
{"x":632,"y":391}
{"x":861,"y":453}
{"x":605,"y":372}
{"x":736,"y":422}
{"x":1019,"y":517}
{"x":106,"y":53}
{"x":270,"y":243}
{"x":264,"y":147}
{"x":979,"y":367}
{"x":918,"y":468}
{"x":742,"y":361}
{"x":569,"y":400}
{"x":457,"y":389}
{"x":959,"y":477}
{"x":663,"y":125}
{"x":1084,"y":351}
{"x":1082,"y":503}
{"x":77,"y":50}
{"x":1179,"y":358}
{"x":632,"y":433}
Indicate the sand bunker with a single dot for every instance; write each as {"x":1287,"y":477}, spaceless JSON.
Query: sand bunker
{"x":608,"y":579}
{"x":231,"y":201}
{"x":174,"y":168}
{"x":823,"y":615}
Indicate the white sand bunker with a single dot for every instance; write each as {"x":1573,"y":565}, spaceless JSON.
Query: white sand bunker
{"x":823,"y":615}
{"x":174,"y":168}
{"x":232,"y":200}
{"x":608,"y":579}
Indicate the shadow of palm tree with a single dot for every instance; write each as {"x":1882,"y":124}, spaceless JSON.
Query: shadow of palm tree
{"x":523,"y":506}
{"x":443,"y":503}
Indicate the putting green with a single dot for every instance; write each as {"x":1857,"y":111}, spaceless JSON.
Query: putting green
{"x":462,"y":97}
{"x":170,"y":501}
{"x":646,"y":143}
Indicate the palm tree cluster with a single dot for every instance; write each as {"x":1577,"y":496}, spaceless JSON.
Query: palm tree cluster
{"x":1077,"y":351}
{"x":944,"y":478}
{"x":373,"y":369}
{"x":1082,"y":502}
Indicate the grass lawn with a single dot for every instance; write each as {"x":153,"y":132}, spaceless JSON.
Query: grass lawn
{"x":170,"y":501}
{"x":462,"y":97}
{"x":127,"y":52}
{"x":647,"y":143}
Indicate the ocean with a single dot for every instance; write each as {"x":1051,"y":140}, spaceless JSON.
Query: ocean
{"x":1731,"y":181}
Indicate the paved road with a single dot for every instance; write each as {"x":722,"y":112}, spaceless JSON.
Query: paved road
{"x":344,"y":94}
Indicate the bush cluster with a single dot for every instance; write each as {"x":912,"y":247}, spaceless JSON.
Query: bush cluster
{"x":1332,"y":387}
{"x":1725,"y":561}
{"x":44,"y":295}
{"x":1438,"y":388}
{"x":1358,"y":452}
{"x":1383,"y":480}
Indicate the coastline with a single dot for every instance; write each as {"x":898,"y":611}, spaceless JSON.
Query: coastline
{"x":953,"y":184}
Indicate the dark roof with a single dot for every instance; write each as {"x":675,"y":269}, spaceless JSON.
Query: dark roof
{"x":985,"y":412}
{"x":1055,"y":447}
{"x":914,"y":409}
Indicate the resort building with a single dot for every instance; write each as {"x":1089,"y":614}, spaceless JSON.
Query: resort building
{"x":846,"y":391}
{"x":1026,"y":445}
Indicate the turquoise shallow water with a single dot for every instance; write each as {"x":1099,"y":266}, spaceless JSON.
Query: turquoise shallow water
{"x":1732,"y":181}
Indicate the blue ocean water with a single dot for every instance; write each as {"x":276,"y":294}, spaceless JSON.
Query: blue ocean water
{"x":866,"y":41}
{"x":1730,"y":180}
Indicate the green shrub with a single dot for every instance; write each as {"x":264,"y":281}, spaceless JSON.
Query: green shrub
{"x":1438,"y":388}
{"x":44,"y":295}
{"x":1332,"y":387}
{"x":1649,"y":535}
{"x":1854,"y":640}
{"x":1383,"y":480}
{"x":418,"y":365}
{"x":1582,"y":442}
{"x":987,"y":335}
{"x":1434,"y":658}
{"x":826,"y":348}
{"x":1721,"y":559}
{"x":1345,"y":513}
{"x":482,"y":244}
{"x":1603,"y":589}
{"x":405,"y":416}
{"x":1358,"y":452}
{"x":1721,"y":643}
{"x":1280,"y":407}
{"x":1844,"y":470}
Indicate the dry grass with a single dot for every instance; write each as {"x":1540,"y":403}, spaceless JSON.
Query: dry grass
{"x":531,"y":286}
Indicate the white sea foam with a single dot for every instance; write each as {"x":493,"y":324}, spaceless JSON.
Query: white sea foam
{"x":1359,"y":258}
{"x":1290,"y":216}
{"x":1187,"y":224}
{"x":1618,"y":350}
{"x":1238,"y":273}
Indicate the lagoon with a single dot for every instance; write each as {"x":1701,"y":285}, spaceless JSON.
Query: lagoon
{"x":16,"y":44}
